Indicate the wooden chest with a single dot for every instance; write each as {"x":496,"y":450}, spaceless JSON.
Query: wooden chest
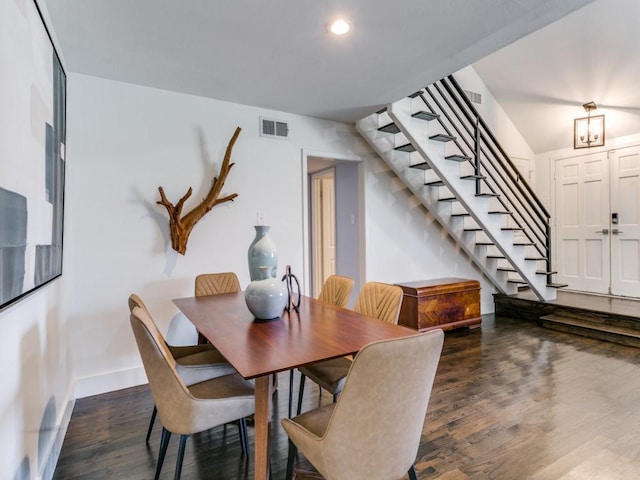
{"x":445,"y":303}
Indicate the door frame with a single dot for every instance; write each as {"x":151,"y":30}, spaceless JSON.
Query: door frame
{"x":306,"y":238}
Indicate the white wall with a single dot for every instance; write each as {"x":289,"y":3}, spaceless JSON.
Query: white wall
{"x":35,"y":398}
{"x":126,"y":140}
{"x":492,"y":113}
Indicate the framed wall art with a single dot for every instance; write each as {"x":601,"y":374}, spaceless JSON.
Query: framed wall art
{"x":32,"y":152}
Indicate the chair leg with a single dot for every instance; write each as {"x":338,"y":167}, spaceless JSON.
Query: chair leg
{"x":291,"y":460}
{"x":153,"y":419}
{"x":183,"y":444}
{"x":300,"y":392}
{"x":412,"y":473}
{"x":164,"y":442}
{"x":290,"y":391}
{"x":244,"y":442}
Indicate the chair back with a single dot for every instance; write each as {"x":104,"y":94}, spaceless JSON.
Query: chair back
{"x":136,"y":302}
{"x":215,"y":283}
{"x":380,"y":414}
{"x":336,"y":290}
{"x":381,"y":301}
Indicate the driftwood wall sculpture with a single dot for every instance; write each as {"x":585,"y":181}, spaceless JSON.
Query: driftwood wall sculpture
{"x":180,"y":226}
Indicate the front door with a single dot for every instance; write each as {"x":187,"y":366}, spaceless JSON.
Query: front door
{"x":598,"y":222}
{"x":625,"y":222}
{"x":582,"y":222}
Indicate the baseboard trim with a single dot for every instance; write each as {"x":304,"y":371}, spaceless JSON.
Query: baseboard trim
{"x":109,"y":382}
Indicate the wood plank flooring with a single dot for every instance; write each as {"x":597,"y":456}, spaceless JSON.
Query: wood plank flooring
{"x":511,"y":400}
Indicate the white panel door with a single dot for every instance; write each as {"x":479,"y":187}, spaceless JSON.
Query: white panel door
{"x":625,"y":238}
{"x":582,"y":222}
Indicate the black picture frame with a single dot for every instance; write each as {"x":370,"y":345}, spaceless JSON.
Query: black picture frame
{"x":32,"y":155}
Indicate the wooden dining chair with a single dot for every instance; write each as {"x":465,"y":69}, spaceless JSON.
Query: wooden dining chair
{"x":335,"y":290}
{"x":373,"y":431}
{"x":194,"y":363}
{"x":183,"y":409}
{"x":214,"y":284}
{"x":377,"y":300}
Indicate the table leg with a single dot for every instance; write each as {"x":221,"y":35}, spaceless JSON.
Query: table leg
{"x":262,"y":427}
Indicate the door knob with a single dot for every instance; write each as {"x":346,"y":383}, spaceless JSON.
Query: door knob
{"x":604,"y":231}
{"x":615,"y":231}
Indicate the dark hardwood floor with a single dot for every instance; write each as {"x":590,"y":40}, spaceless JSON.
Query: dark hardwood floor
{"x":511,"y":401}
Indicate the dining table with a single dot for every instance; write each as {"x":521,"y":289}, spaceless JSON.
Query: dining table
{"x":257,"y":349}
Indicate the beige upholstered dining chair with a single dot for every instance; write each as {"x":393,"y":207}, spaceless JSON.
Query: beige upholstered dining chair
{"x":214,"y":284}
{"x":194,"y":363}
{"x":335,"y":290}
{"x":377,"y":300}
{"x":373,"y":431}
{"x":186,"y":410}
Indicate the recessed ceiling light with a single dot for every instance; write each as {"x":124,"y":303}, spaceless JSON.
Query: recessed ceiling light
{"x":339,"y":27}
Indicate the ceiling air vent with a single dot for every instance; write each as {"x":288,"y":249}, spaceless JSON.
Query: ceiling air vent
{"x":273,"y":128}
{"x":474,"y":97}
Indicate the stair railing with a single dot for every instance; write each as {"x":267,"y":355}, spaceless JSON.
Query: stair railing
{"x":495,"y":172}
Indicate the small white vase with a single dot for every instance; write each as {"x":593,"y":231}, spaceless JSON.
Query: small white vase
{"x":266,"y":298}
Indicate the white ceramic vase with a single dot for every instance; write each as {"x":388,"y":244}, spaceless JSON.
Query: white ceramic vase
{"x":266,"y":298}
{"x":262,"y":253}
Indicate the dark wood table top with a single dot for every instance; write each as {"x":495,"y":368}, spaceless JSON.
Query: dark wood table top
{"x":262,"y":347}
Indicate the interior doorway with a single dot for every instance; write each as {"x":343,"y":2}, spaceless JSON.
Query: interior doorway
{"x":334,"y":231}
{"x":323,"y":221}
{"x":597,"y":198}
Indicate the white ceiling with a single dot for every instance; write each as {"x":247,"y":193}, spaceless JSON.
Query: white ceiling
{"x":276,"y":54}
{"x":542,"y":80}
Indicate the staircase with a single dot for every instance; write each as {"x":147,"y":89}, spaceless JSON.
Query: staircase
{"x":436,"y":142}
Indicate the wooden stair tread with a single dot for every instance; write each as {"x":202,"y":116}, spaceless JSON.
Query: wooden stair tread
{"x":557,"y":285}
{"x":457,"y":158}
{"x":435,"y":183}
{"x":421,"y":166}
{"x":472,"y":177}
{"x":407,"y":147}
{"x":389,"y":128}
{"x":442,"y":137}
{"x":424,"y":115}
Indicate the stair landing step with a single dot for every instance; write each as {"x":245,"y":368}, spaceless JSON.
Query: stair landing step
{"x":601,"y":331}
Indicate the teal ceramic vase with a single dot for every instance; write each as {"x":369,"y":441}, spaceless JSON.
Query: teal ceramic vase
{"x":266,"y":297}
{"x":262,"y":253}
